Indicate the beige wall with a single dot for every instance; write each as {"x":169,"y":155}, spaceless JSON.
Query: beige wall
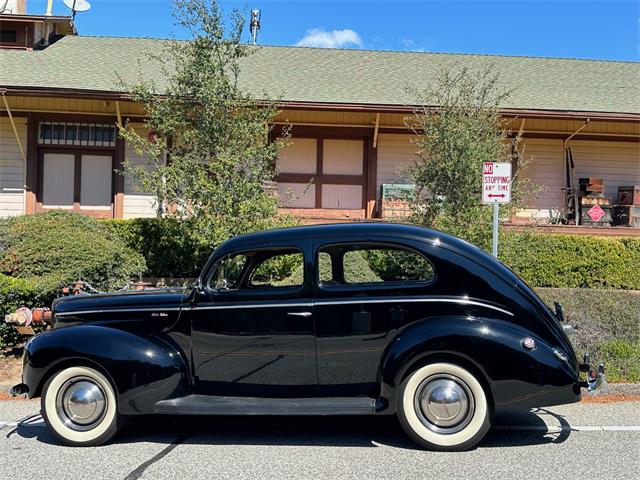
{"x":618,"y":163}
{"x":136,"y":202}
{"x":544,"y":171}
{"x":12,"y":167}
{"x":396,"y":152}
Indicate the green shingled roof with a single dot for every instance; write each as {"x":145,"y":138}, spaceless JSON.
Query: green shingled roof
{"x":335,"y":76}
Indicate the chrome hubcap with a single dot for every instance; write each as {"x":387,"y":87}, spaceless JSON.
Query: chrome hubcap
{"x":81,"y":403}
{"x":444,"y":404}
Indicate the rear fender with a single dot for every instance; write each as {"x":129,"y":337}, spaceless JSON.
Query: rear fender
{"x":490,"y":348}
{"x":143,"y":369}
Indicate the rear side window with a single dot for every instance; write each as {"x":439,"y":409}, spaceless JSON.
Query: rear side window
{"x":372,"y":264}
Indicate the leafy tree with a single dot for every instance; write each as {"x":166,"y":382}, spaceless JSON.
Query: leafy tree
{"x":458,"y":128}
{"x":212,"y":158}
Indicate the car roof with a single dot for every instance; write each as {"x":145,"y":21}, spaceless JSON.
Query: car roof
{"x":346,"y":230}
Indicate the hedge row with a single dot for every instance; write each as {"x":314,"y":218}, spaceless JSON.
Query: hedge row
{"x":571,"y":261}
{"x":543,"y":260}
{"x":59,"y":247}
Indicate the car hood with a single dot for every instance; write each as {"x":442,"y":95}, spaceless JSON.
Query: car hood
{"x":85,"y":307}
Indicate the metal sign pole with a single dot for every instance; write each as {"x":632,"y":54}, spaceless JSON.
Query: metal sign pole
{"x":494,"y":249}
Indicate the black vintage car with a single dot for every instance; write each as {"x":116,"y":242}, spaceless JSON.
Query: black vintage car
{"x":357,"y":319}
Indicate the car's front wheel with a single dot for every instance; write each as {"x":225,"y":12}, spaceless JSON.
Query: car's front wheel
{"x":443,"y":406}
{"x":79,"y":406}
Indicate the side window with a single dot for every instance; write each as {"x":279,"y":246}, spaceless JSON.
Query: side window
{"x":259,"y":269}
{"x":228,"y":272}
{"x":280,"y":270}
{"x":372,"y":264}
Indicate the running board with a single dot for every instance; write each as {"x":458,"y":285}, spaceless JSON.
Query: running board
{"x":211,"y":405}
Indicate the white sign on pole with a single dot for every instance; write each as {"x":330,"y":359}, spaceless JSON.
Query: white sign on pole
{"x":496,"y":182}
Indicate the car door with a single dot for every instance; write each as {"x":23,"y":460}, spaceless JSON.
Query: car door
{"x":365,"y":292}
{"x":253,"y":328}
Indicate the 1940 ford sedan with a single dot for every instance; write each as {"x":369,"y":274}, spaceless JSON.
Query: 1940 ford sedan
{"x":357,"y":319}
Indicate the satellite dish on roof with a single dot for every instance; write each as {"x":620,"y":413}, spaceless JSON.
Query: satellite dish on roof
{"x":77,"y":6}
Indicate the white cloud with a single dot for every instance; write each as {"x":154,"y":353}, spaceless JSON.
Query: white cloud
{"x":411,"y":46}
{"x":317,"y":37}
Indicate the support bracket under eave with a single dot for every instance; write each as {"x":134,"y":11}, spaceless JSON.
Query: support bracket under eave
{"x":578,"y":130}
{"x":375,"y":131}
{"x":118,"y":113}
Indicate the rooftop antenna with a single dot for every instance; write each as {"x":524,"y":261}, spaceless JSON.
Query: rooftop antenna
{"x":77,"y":6}
{"x":255,"y":24}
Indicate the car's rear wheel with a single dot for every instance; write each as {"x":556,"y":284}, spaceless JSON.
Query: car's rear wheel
{"x":79,"y":406}
{"x":443,"y":406}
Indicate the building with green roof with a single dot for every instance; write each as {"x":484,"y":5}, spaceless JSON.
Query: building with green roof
{"x":62,"y":96}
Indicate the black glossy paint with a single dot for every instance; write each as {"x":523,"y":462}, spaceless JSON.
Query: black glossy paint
{"x":358,"y":341}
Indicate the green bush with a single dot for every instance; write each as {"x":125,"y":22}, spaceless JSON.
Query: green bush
{"x":572,"y":261}
{"x":168,"y":251}
{"x":607,"y":326}
{"x":61,"y":247}
{"x":169,"y":246}
{"x":15,"y":293}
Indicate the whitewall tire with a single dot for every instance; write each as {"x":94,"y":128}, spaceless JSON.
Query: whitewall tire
{"x":443,"y":406}
{"x":79,"y":406}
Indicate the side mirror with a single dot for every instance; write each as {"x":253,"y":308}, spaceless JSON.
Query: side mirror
{"x":559,"y":312}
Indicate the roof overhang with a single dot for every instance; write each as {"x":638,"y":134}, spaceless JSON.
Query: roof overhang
{"x":324,"y":106}
{"x":65,"y":24}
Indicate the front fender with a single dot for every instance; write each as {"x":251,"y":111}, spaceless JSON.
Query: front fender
{"x":144,"y":368}
{"x":493,"y":350}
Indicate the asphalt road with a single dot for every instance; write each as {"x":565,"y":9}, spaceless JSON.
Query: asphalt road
{"x":581,"y":441}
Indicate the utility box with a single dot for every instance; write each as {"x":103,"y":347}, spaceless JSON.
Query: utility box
{"x":626,"y":216}
{"x":629,"y":195}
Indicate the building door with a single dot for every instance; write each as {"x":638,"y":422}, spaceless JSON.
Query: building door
{"x":323,"y":173}
{"x":78,"y":181}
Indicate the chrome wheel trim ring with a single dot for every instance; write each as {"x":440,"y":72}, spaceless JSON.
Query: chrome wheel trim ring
{"x":444,"y":404}
{"x":81,"y":403}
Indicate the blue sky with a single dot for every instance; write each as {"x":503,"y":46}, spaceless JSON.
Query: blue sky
{"x":571,"y":28}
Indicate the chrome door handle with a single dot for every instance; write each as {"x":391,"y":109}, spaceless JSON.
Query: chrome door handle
{"x":299,"y":314}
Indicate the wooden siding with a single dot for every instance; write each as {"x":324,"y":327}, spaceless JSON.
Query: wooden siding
{"x":570,"y":126}
{"x":72,"y":105}
{"x":298,"y":156}
{"x":342,"y":157}
{"x":136,"y":202}
{"x":340,"y":118}
{"x":12,"y":167}
{"x":341,"y":197}
{"x":618,"y":163}
{"x":296,"y":195}
{"x":544,"y":171}
{"x":396,"y":152}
